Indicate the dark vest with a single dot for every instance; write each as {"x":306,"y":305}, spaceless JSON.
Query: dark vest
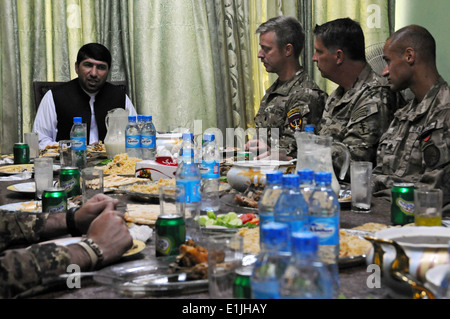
{"x":71,"y":101}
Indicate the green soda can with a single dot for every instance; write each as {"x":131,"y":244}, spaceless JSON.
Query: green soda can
{"x":402,"y":205}
{"x":242,"y":283}
{"x":54,"y":200}
{"x":21,"y":153}
{"x":69,"y":179}
{"x":170,"y":234}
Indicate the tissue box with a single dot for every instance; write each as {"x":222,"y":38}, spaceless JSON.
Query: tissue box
{"x":162,"y":167}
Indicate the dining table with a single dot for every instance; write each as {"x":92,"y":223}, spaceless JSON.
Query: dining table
{"x":353,"y":277}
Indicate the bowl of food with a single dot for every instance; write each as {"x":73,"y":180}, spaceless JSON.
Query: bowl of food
{"x":244,"y":173}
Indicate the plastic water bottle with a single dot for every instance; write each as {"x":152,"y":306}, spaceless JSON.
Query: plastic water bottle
{"x":306,"y":277}
{"x":309,"y":128}
{"x":148,"y":139}
{"x":306,"y":176}
{"x":133,"y":138}
{"x":188,"y":175}
{"x":271,"y":262}
{"x":291,"y":207}
{"x":141,"y":121}
{"x":210,"y":173}
{"x":268,"y":199}
{"x":78,"y":134}
{"x":324,"y":214}
{"x":187,"y":142}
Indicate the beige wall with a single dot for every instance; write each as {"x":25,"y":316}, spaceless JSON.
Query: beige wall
{"x":433,"y":15}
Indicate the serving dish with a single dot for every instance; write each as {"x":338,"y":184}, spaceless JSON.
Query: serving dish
{"x":149,"y":276}
{"x":152,"y":197}
{"x":434,"y":277}
{"x":405,"y":255}
{"x":244,"y":173}
{"x":353,"y":261}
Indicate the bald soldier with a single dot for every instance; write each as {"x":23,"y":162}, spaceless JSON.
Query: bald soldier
{"x":293,"y":100}
{"x":416,"y":147}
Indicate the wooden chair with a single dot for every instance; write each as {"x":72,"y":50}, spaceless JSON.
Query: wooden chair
{"x":40,"y":88}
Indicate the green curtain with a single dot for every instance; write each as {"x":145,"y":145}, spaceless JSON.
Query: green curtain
{"x":172,"y":61}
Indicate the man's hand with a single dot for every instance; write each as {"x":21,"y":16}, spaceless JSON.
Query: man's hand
{"x":258,"y":147}
{"x":91,"y":209}
{"x":110,"y":232}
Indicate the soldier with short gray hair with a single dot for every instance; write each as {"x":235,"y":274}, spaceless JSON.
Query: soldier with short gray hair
{"x":293,"y":100}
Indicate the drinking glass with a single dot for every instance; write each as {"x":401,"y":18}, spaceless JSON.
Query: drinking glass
{"x":32,"y":139}
{"x":170,"y":228}
{"x":91,"y":182}
{"x":361,"y":186}
{"x":65,"y":153}
{"x":171,"y":200}
{"x":427,"y":207}
{"x":225,"y":253}
{"x":43,"y":174}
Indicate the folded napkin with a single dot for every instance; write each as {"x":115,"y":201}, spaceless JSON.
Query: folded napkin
{"x":140,"y":232}
{"x":16,"y":177}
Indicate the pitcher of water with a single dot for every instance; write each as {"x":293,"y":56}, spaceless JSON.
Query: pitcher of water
{"x":116,"y":122}
{"x":314,"y":152}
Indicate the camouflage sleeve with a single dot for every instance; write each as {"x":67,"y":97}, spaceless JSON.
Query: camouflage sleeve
{"x":24,"y":269}
{"x":304,"y":107}
{"x":370,"y":117}
{"x":20,"y":227}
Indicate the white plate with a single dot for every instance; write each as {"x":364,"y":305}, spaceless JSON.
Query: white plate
{"x":16,"y":169}
{"x":351,"y":261}
{"x":19,"y":168}
{"x":29,"y":206}
{"x":29,"y":188}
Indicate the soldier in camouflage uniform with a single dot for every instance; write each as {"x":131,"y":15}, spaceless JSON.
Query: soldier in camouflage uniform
{"x":359,"y":111}
{"x":416,"y":146}
{"x":26,"y":271}
{"x":293,"y":100}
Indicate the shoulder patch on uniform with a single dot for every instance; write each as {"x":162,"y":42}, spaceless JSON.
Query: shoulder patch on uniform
{"x":431,"y":155}
{"x":295,"y":118}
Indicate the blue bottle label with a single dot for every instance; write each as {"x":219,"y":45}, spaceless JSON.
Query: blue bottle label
{"x":210,"y":169}
{"x":327,"y":228}
{"x":79,"y":143}
{"x":148,"y":141}
{"x":133,"y":141}
{"x":191,"y":190}
{"x":266,"y":290}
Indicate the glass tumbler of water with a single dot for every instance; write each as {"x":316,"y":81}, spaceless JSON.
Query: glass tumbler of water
{"x":361,"y":186}
{"x":43,"y":174}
